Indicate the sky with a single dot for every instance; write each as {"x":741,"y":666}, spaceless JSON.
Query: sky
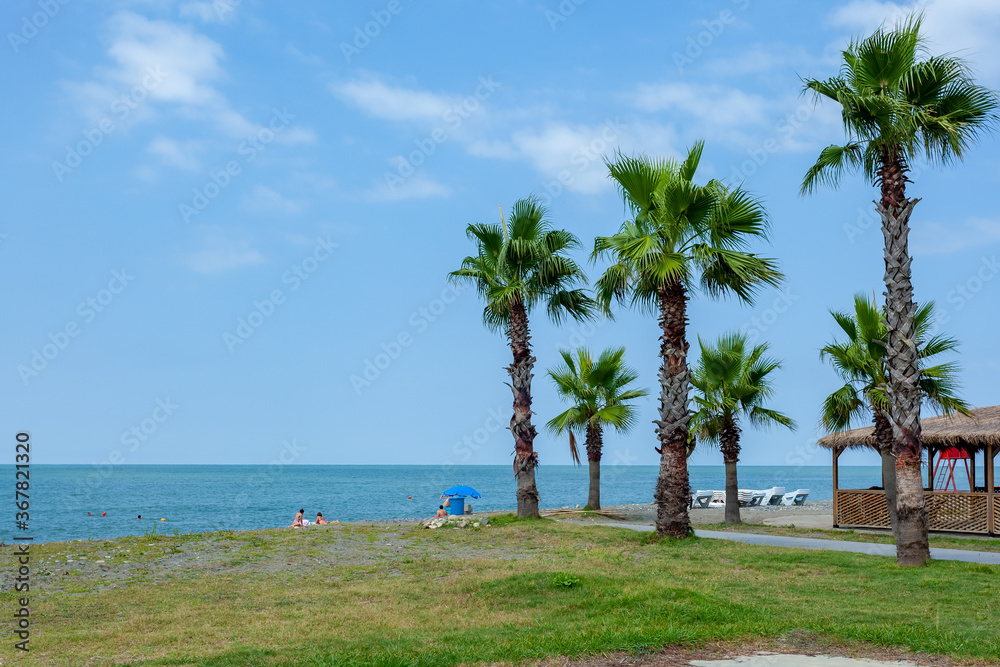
{"x":228,"y":224}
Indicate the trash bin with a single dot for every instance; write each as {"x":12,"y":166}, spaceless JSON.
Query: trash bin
{"x":457,"y":505}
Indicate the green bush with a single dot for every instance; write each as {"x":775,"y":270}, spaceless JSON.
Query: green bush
{"x":565,"y":580}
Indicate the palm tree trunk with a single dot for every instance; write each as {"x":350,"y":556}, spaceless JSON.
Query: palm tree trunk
{"x":904,"y":375}
{"x":729,"y":443}
{"x":673,"y":491}
{"x":525,"y":458}
{"x":594,"y":445}
{"x":883,"y":437}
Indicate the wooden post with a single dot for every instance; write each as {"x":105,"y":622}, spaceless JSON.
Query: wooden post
{"x":992,"y":498}
{"x":972,"y":473}
{"x":991,"y":479}
{"x":930,"y":468}
{"x":836,"y":481}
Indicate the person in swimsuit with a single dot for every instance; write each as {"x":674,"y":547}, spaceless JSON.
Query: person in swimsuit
{"x":320,"y":521}
{"x":441,"y":512}
{"x":297,"y":523}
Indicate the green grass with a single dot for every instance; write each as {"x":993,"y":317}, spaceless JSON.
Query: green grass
{"x":519,"y":590}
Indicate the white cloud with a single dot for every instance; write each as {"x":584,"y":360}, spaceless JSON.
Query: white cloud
{"x":190,"y":61}
{"x":303,"y":58}
{"x":492,"y":149}
{"x":296,"y":135}
{"x":934,"y":238}
{"x":866,"y":15}
{"x":714,"y":105}
{"x":161,"y":65}
{"x":393,"y":103}
{"x":214,"y":11}
{"x":182,"y":155}
{"x":764,"y":59}
{"x":263,"y":198}
{"x":222,"y":255}
{"x":416,"y":186}
{"x":572,"y":153}
{"x":967,"y":28}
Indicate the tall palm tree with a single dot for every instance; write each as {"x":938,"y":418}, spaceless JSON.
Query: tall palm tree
{"x":601,"y":398}
{"x":861,"y":362}
{"x":731,"y":383}
{"x":899,"y":103}
{"x":678,"y":235}
{"x":519,"y":264}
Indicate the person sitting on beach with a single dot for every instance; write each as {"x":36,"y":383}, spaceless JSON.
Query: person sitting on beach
{"x":320,"y":521}
{"x":297,"y":523}
{"x":441,"y":512}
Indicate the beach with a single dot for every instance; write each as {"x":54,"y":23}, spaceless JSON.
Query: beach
{"x":374,"y":588}
{"x":203,"y":499}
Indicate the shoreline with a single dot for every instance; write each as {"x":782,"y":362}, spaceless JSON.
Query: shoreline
{"x":817,"y":513}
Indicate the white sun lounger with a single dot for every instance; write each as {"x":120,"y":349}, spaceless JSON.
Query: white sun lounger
{"x":773,"y":495}
{"x":756,"y":498}
{"x":796,"y":497}
{"x":701,"y":499}
{"x":744,"y":496}
{"x":718,"y":498}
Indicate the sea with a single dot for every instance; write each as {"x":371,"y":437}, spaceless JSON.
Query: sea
{"x":74,"y":502}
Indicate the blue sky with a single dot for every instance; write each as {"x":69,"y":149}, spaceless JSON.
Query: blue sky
{"x":220,"y":215}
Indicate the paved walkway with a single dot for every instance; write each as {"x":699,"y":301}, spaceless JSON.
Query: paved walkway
{"x":870,"y":548}
{"x":795,"y":661}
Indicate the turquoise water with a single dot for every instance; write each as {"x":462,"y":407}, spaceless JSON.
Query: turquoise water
{"x":195,"y":498}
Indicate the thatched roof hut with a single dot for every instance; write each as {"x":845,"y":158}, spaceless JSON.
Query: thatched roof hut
{"x":976,"y":510}
{"x":974,"y":433}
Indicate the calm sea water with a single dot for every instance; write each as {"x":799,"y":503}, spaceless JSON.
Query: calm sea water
{"x":205,"y":498}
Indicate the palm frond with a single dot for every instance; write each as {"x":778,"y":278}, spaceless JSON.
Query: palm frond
{"x":833,"y":161}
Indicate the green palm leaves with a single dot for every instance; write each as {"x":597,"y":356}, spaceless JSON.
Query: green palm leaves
{"x":681,"y":232}
{"x":599,"y":393}
{"x":525,"y":262}
{"x":732,"y":381}
{"x":898,"y":102}
{"x":598,"y":390}
{"x":860,"y":362}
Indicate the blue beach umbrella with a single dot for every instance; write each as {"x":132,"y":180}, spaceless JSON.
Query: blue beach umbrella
{"x":462,"y":491}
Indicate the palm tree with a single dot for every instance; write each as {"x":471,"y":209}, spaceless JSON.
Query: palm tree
{"x":860,"y":361}
{"x":898,"y":103}
{"x":519,"y":264}
{"x":678,"y":235}
{"x":600,"y":396}
{"x":731,"y":382}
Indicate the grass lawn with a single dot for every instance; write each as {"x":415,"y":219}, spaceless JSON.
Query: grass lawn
{"x":519,"y":590}
{"x":987,"y":544}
